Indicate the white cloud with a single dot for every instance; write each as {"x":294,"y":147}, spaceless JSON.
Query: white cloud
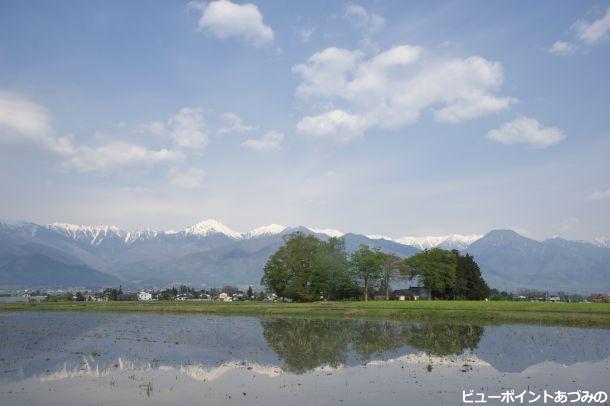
{"x":235,"y":125}
{"x":335,"y":125}
{"x":225,"y":19}
{"x":306,"y":33}
{"x":393,"y":88}
{"x":191,"y":178}
{"x":326,"y":73}
{"x":600,"y":194}
{"x":594,"y":31}
{"x":362,"y":19}
{"x":562,"y":48}
{"x":270,"y":141}
{"x":187,"y":129}
{"x":527,"y":130}
{"x":22,"y":118}
{"x":154,"y":127}
{"x":23,"y":122}
{"x":118,"y":155}
{"x":586,"y":33}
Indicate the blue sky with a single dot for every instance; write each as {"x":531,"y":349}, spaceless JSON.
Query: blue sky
{"x":381,"y":117}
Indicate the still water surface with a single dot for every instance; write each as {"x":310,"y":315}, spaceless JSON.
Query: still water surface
{"x":125,"y":359}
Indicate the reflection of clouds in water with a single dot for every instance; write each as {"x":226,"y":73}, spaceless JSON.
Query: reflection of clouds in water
{"x":90,"y":369}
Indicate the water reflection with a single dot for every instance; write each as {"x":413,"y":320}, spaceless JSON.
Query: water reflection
{"x":305,"y":344}
{"x":73,"y":358}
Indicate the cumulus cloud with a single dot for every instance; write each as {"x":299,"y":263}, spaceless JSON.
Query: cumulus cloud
{"x":528,"y":131}
{"x":335,"y":125}
{"x":587,"y":32}
{"x":591,"y":32}
{"x":118,"y":155}
{"x":363,"y":19}
{"x":23,"y":122}
{"x":187,"y":129}
{"x":233,"y":125}
{"x":191,"y":178}
{"x":600,"y":194}
{"x":391,"y":89}
{"x":269,"y":141}
{"x":225,"y":19}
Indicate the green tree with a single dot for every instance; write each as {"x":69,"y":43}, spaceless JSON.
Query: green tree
{"x":330,"y":277}
{"x":436,"y":271}
{"x":366,"y":265}
{"x":307,"y":268}
{"x":392,"y":265}
{"x":229,"y":289}
{"x":250,"y":293}
{"x":469,"y":283}
{"x":288,"y":271}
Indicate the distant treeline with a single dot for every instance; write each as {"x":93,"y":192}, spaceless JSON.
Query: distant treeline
{"x":306,"y":268}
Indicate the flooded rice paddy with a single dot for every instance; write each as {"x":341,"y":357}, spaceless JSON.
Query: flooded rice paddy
{"x":125,"y":359}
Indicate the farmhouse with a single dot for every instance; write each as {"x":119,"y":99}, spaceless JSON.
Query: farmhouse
{"x":142,"y":295}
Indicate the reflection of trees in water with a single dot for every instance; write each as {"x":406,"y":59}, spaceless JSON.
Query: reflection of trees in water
{"x":444,"y":339}
{"x":304,"y":344}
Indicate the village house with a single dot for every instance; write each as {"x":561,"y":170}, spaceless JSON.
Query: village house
{"x":239,"y":295}
{"x":224,"y":297}
{"x":412,"y":293}
{"x":145,"y":296}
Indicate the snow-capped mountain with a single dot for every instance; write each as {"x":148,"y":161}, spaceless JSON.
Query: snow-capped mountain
{"x":602,"y":242}
{"x":96,"y":235}
{"x":271,"y":229}
{"x":331,"y":232}
{"x":210,"y":227}
{"x":451,"y":241}
{"x":209,"y":252}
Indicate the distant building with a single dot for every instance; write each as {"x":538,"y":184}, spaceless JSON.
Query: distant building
{"x":205,"y":296}
{"x":182,"y":297}
{"x":224,"y":297}
{"x":553,"y":298}
{"x":412,"y":293}
{"x":600,"y":298}
{"x":145,"y":296}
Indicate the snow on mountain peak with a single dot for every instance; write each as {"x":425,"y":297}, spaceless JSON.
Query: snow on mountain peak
{"x":379,"y":237}
{"x":271,"y":229}
{"x":457,"y":241}
{"x":210,"y":227}
{"x":89,"y":234}
{"x":331,"y":232}
{"x":602,"y":242}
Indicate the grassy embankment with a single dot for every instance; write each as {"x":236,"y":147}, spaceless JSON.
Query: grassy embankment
{"x":573,"y":314}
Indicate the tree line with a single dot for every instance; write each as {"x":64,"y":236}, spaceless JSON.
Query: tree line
{"x":306,"y":268}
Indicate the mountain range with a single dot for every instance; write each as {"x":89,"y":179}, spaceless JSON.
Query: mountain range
{"x":210,"y":253}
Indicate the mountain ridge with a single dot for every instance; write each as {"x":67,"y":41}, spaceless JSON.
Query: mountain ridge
{"x":211,"y":253}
